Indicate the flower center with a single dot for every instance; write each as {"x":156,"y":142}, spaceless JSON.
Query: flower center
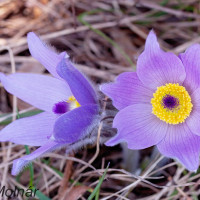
{"x":171,"y":103}
{"x":65,"y":106}
{"x":61,"y":107}
{"x":73,"y":103}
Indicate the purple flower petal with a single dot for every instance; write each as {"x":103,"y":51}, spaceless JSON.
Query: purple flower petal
{"x":193,"y":120}
{"x":180,"y":143}
{"x":156,"y":67}
{"x":33,"y":131}
{"x":38,"y":90}
{"x":20,"y":163}
{"x":44,"y":54}
{"x":191,"y":62}
{"x":79,"y":85}
{"x":127,"y":90}
{"x":75,"y":124}
{"x":138,"y":127}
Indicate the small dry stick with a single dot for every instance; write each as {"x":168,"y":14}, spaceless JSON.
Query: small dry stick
{"x":129,"y":187}
{"x":65,"y":180}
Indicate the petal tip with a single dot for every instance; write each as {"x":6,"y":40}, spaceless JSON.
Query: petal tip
{"x":113,"y":141}
{"x":151,"y":38}
{"x":152,"y":32}
{"x":194,"y":171}
{"x":2,"y":75}
{"x":103,"y":87}
{"x":31,"y":36}
{"x":18,"y":166}
{"x":192,"y":168}
{"x":109,"y":143}
{"x":107,"y":89}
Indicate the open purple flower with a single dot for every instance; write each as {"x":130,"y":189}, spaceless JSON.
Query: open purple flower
{"x":159,"y":104}
{"x":69,"y":103}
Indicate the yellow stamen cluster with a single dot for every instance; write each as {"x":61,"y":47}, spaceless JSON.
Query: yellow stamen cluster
{"x":179,"y":113}
{"x":73,"y":102}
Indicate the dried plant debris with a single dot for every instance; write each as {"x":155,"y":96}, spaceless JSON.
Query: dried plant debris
{"x":103,"y":38}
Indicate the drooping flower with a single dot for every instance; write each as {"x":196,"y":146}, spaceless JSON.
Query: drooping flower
{"x":68,"y":100}
{"x":159,"y":104}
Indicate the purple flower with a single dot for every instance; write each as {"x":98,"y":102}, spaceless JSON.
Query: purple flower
{"x":68,"y":100}
{"x":159,"y":104}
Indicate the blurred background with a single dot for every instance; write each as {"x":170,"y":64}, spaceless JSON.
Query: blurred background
{"x":103,"y":38}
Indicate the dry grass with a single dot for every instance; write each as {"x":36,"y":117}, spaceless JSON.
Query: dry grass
{"x":123,"y":26}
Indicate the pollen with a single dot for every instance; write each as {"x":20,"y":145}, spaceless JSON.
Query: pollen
{"x":73,"y":102}
{"x":171,"y":103}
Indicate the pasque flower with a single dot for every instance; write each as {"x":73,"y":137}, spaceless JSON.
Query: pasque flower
{"x":159,"y":104}
{"x":68,"y":100}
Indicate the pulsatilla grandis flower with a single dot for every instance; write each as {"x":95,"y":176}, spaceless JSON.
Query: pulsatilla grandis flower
{"x":68,"y":100}
{"x":159,"y":104}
